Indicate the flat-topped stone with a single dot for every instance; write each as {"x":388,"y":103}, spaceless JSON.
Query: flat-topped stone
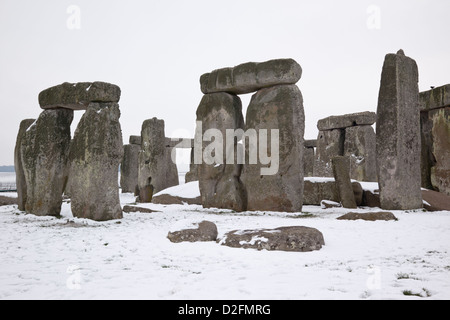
{"x":250,"y":77}
{"x":347,"y":120}
{"x":435,"y":98}
{"x":77,"y":96}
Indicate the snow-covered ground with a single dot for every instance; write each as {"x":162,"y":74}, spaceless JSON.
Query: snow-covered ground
{"x":68,"y":258}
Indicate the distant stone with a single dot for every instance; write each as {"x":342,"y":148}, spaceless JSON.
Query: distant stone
{"x":134,"y":209}
{"x":308,"y":161}
{"x":329,"y":144}
{"x":398,"y":135}
{"x":435,"y":99}
{"x":135,"y":140}
{"x":95,"y":155}
{"x":21,"y":184}
{"x":310,"y":143}
{"x":199,"y":232}
{"x":341,"y":169}
{"x":316,"y":191}
{"x":348,"y":120}
{"x":297,"y":239}
{"x":369,"y":216}
{"x":44,"y":152}
{"x":251,"y":77}
{"x":436,"y":201}
{"x":371,"y":199}
{"x":170,"y":199}
{"x":7,"y":201}
{"x":77,"y":96}
{"x":326,"y":204}
{"x":129,"y":168}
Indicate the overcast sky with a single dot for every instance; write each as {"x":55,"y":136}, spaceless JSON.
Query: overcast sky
{"x":156,"y":52}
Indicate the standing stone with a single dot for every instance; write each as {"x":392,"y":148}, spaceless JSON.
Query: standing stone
{"x":440,"y":172}
{"x":308,"y":162}
{"x":95,"y":155}
{"x":44,"y":151}
{"x":277,"y":108}
{"x":330,"y":144}
{"x":21,"y":184}
{"x":129,"y":168}
{"x":192,"y":175}
{"x":157,"y":171}
{"x":220,"y":184}
{"x":341,"y":170}
{"x":398,"y":134}
{"x":360,"y":146}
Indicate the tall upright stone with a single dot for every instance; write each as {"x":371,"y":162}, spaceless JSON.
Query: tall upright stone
{"x":360,"y":147}
{"x":398,"y":134}
{"x":129,"y":168}
{"x":157,"y":171}
{"x":44,"y":155}
{"x":330,"y":143}
{"x":341,"y":171}
{"x":219,"y":180}
{"x":95,"y":155}
{"x":21,"y":184}
{"x":278,"y":108}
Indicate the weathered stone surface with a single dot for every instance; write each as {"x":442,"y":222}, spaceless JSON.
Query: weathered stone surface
{"x":398,"y":135}
{"x":95,"y":155}
{"x":251,"y":77}
{"x":192,"y":175}
{"x":298,"y":239}
{"x":135,"y":140}
{"x":316,"y":191}
{"x":170,"y":199}
{"x":371,"y":199}
{"x":77,"y":96}
{"x":157,"y":171}
{"x":341,"y":170}
{"x":201,"y":232}
{"x":7,"y":201}
{"x":360,"y":147}
{"x":329,"y":144}
{"x":134,"y":209}
{"x":308,"y":161}
{"x":310,"y":143}
{"x":44,"y":152}
{"x":435,"y":99}
{"x":21,"y":184}
{"x":436,"y":201}
{"x":369,"y":216}
{"x":348,"y":120}
{"x":129,"y":168}
{"x":277,"y":108}
{"x":435,"y":138}
{"x":220,"y":185}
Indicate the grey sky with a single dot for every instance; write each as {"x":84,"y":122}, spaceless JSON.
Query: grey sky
{"x":156,"y":52}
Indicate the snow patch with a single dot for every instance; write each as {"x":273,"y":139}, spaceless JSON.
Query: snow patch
{"x":189,"y":190}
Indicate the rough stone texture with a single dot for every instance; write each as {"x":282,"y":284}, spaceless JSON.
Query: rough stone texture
{"x":329,"y":144}
{"x":157,"y":171}
{"x":44,"y":152}
{"x":251,"y":77}
{"x":192,"y":175}
{"x":220,"y":184}
{"x":341,"y":170}
{"x":436,"y":201}
{"x":360,"y":147}
{"x":435,"y":99}
{"x":7,"y":201}
{"x":369,"y":216}
{"x":398,"y":135}
{"x":315,"y":192}
{"x":95,"y":155}
{"x":308,"y":161}
{"x":298,"y":239}
{"x":435,"y":129}
{"x":170,"y":199}
{"x":129,"y":168}
{"x":348,"y":120}
{"x":21,"y":184}
{"x":135,"y":140}
{"x":277,"y":108}
{"x":77,"y":96}
{"x":310,"y":143}
{"x":371,"y":199}
{"x":205,"y":231}
{"x":133,"y":209}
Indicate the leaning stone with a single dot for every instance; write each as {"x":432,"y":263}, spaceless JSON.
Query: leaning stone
{"x":369,"y":216}
{"x":435,"y":98}
{"x":360,"y":147}
{"x":21,"y":184}
{"x":44,"y":152}
{"x":78,"y":96}
{"x":251,"y":77}
{"x":348,"y":120}
{"x":329,"y":144}
{"x":297,"y":239}
{"x":157,"y":170}
{"x":341,"y":169}
{"x":220,"y":184}
{"x":398,"y":135}
{"x":95,"y":155}
{"x":198,"y":232}
{"x":129,"y":168}
{"x":278,"y":108}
